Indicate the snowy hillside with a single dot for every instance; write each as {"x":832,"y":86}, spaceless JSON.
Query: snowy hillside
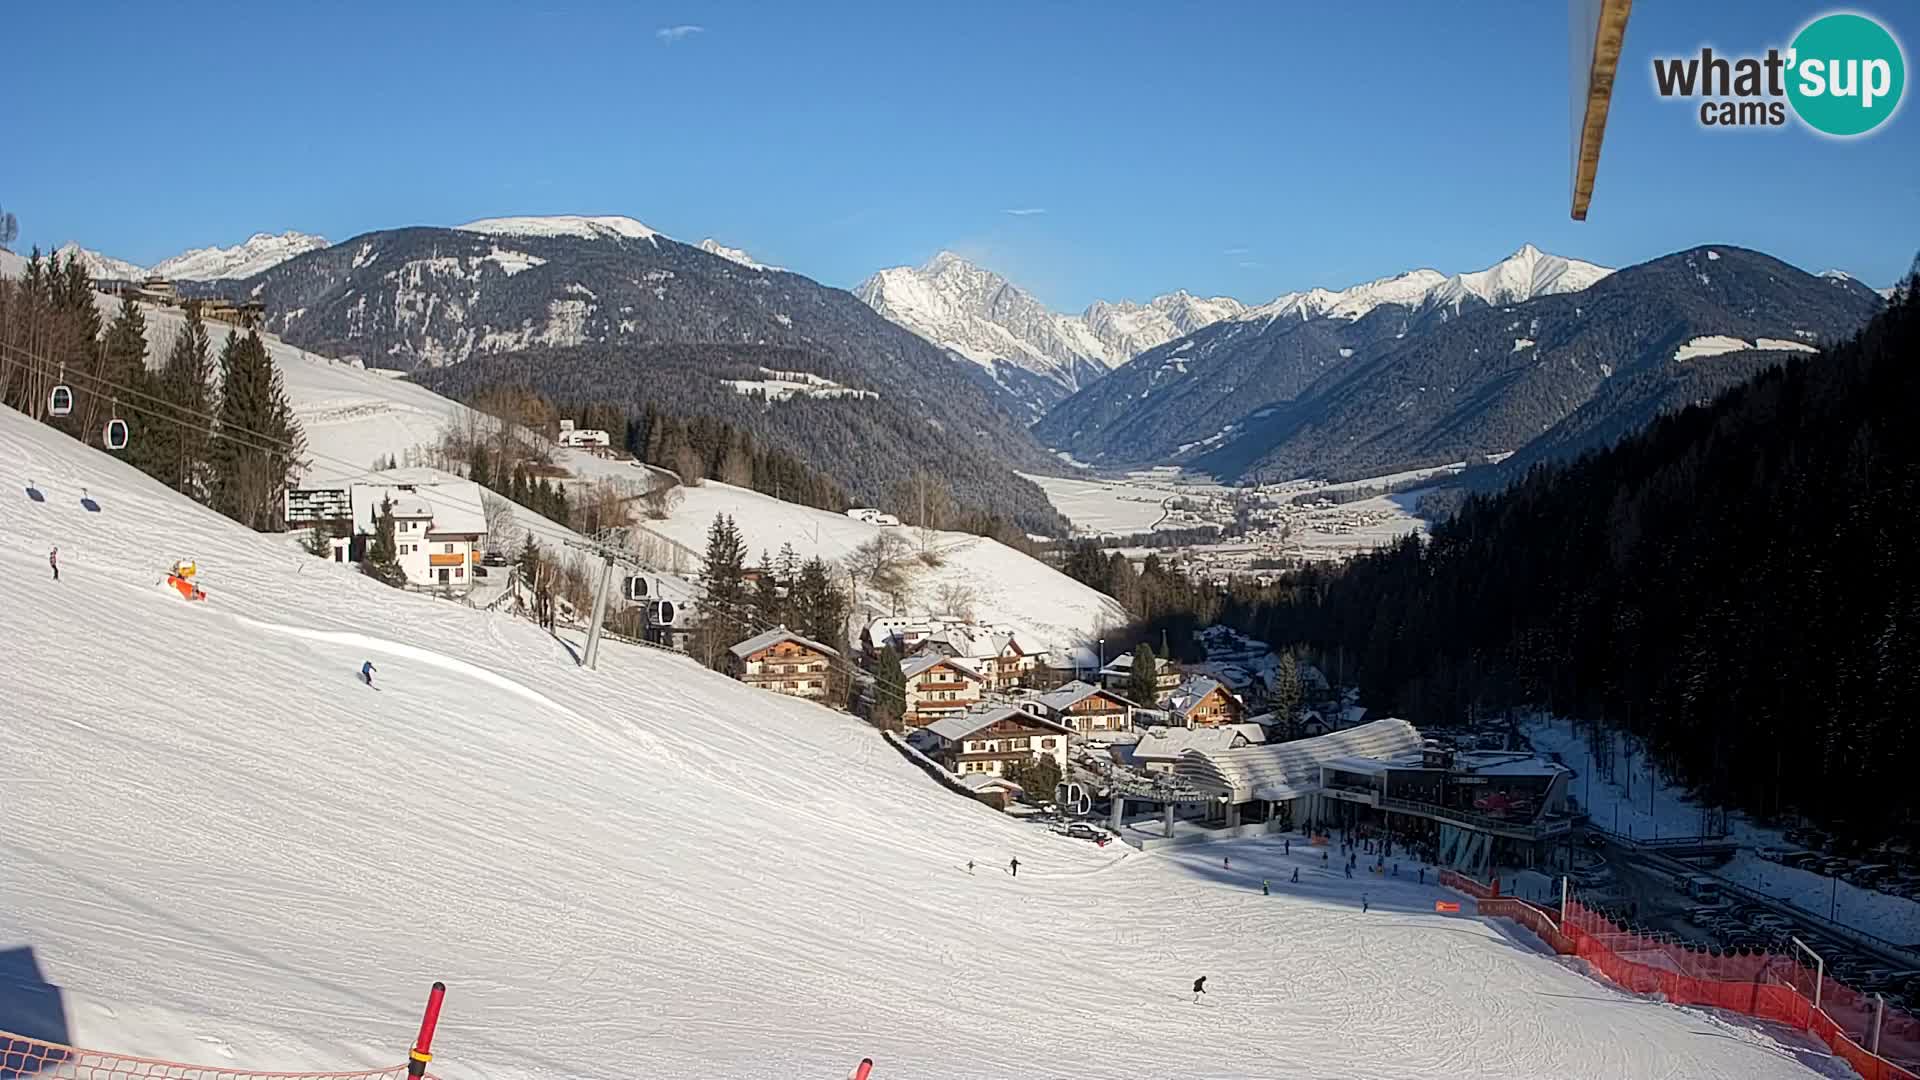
{"x":574,"y":225}
{"x":220,"y":847}
{"x":261,"y":251}
{"x":1007,"y":587}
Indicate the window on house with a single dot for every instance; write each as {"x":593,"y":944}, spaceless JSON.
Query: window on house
{"x":459,"y":571}
{"x":449,"y":549}
{"x":1046,"y":744}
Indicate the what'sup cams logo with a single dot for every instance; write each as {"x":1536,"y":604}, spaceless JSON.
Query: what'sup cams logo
{"x":1842,"y":76}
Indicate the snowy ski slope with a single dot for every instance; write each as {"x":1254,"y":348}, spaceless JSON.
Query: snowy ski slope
{"x":220,"y":847}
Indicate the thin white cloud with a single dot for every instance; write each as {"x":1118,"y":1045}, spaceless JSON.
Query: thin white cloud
{"x":1026,"y":211}
{"x":671,"y":34}
{"x":1249,"y":264}
{"x":1236,"y":251}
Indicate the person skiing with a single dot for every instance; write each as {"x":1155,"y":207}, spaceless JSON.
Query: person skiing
{"x":1363,"y":903}
{"x":1226,"y":863}
{"x":1423,"y":875}
{"x":366,"y":672}
{"x":1323,"y":858}
{"x":1014,"y":865}
{"x":1296,"y":875}
{"x":53,"y":560}
{"x":969,"y":866}
{"x":1349,"y":871}
{"x":1199,"y":987}
{"x":1264,"y":890}
{"x":1289,"y":843}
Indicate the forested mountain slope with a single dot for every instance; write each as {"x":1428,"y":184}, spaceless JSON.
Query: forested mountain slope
{"x":1739,"y":585}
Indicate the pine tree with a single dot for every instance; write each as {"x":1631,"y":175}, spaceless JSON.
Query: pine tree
{"x":766,"y":594}
{"x":383,"y":555}
{"x":258,"y":441}
{"x":816,"y":606}
{"x":319,"y":542}
{"x":183,"y":386}
{"x":788,"y":564}
{"x":1285,"y":696}
{"x":889,"y":690}
{"x":481,"y":467}
{"x":1143,"y":686}
{"x":125,"y":357}
{"x":722,"y":590}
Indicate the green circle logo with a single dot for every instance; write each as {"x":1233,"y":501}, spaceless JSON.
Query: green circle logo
{"x":1846,"y":74}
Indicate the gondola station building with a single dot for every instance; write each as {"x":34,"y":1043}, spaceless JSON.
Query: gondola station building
{"x":1468,"y":810}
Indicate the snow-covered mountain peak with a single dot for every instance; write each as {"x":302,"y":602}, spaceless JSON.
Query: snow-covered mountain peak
{"x":259,"y":252}
{"x":586,"y":228}
{"x":977,"y":314}
{"x":1527,"y":273}
{"x":732,"y":254}
{"x":101,"y":267}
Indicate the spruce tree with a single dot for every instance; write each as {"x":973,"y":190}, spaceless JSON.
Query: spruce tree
{"x":481,"y":470}
{"x":1285,"y":696}
{"x":723,"y":591}
{"x":766,"y":594}
{"x":1143,"y":686}
{"x":258,"y":440}
{"x":383,"y":555}
{"x":816,"y":606}
{"x":125,"y":357}
{"x":319,"y":541}
{"x":889,"y":690}
{"x":183,"y":386}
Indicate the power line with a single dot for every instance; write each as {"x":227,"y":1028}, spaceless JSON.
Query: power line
{"x":213,"y":427}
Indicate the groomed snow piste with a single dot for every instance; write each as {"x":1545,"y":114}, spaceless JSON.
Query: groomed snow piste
{"x":219,"y":846}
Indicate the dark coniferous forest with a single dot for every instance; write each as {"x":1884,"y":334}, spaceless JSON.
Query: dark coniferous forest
{"x":1738,"y":585}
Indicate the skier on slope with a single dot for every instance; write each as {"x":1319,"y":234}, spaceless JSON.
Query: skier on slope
{"x":1199,"y":987}
{"x":969,"y":866}
{"x":1014,"y":865}
{"x":1264,"y":889}
{"x":366,"y":672}
{"x":53,"y":560}
{"x":1296,"y":875}
{"x":1363,"y":903}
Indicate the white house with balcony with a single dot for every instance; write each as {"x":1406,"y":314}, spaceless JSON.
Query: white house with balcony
{"x":439,"y":525}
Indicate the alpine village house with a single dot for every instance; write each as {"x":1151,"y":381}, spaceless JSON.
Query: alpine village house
{"x":783,"y":662}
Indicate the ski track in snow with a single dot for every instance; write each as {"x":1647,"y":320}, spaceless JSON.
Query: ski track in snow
{"x":221,"y":848}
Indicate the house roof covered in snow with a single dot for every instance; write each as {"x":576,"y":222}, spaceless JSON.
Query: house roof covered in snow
{"x":1291,"y":769}
{"x":775,"y":636}
{"x":1191,"y":693}
{"x":915,"y":665}
{"x":1167,"y":744}
{"x":454,"y":504}
{"x":955,"y":728}
{"x":1073,"y":693}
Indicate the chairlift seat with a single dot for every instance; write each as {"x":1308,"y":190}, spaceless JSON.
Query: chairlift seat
{"x":60,"y":402}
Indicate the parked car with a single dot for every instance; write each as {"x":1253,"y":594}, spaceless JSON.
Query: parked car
{"x":1773,"y":854}
{"x":1700,"y":916}
{"x":1080,"y":830}
{"x":1802,"y":860}
{"x":479,"y":571}
{"x":493,"y":558}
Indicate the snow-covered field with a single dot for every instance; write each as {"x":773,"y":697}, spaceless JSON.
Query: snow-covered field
{"x":220,"y":847}
{"x":1668,"y":812}
{"x":1114,"y":506}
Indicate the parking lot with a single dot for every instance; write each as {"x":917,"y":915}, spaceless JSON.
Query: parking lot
{"x":1643,"y":891}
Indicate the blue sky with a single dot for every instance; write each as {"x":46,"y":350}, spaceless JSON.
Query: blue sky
{"x":1244,"y":149}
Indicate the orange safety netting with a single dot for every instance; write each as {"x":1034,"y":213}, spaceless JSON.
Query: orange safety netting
{"x":22,"y":1058}
{"x":1770,"y":986}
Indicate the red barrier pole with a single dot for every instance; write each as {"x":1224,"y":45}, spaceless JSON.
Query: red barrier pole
{"x":423,"y":1043}
{"x":866,"y":1067}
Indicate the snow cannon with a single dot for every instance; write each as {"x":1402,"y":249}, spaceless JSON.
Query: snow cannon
{"x":181,"y":578}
